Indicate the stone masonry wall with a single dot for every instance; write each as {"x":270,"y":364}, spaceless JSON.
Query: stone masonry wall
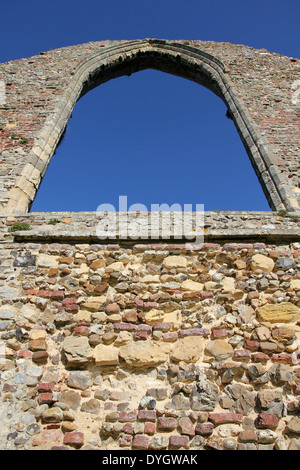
{"x":148,"y":346}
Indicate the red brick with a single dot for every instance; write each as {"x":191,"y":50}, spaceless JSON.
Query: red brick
{"x":9,"y":388}
{"x":259,"y":357}
{"x":170,"y":336}
{"x":69,"y":300}
{"x":125,"y":327}
{"x":140,"y":442}
{"x":44,"y":293}
{"x":147,"y":415}
{"x":125,"y":440}
{"x":266,"y":421}
{"x":149,"y":305}
{"x":190,"y":295}
{"x":219,"y":333}
{"x":176,"y":442}
{"x":242,"y":354}
{"x":206,"y":295}
{"x":166,"y":424}
{"x":81,"y":331}
{"x":71,"y":307}
{"x":194,"y":332}
{"x":45,"y":387}
{"x":149,"y":428}
{"x":251,"y":345}
{"x":24,"y":353}
{"x":296,"y":254}
{"x":57,"y":295}
{"x":74,"y":439}
{"x":204,"y":429}
{"x":46,"y":436}
{"x":45,"y":398}
{"x":185,"y":426}
{"x":127,"y":416}
{"x":222,"y":418}
{"x":31,"y":292}
{"x":143,"y":327}
{"x":283,"y":358}
{"x":162,"y":326}
{"x":128,"y":428}
{"x":140,"y":336}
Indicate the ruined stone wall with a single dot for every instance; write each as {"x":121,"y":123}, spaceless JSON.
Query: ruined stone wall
{"x":149,"y":345}
{"x":157,"y":343}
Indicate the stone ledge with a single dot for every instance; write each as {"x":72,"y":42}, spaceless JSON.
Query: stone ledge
{"x":221,"y":226}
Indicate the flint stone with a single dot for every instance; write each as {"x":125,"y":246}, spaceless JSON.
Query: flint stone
{"x":91,"y":406}
{"x":205,"y":396}
{"x":283,"y":335}
{"x":285,"y":263}
{"x":179,"y":402}
{"x":79,"y":379}
{"x":28,"y":260}
{"x":158,"y":443}
{"x":244,"y":401}
{"x":266,"y":436}
{"x":266,"y":397}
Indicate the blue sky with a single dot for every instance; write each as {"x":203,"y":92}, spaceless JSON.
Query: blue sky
{"x":153,"y":137}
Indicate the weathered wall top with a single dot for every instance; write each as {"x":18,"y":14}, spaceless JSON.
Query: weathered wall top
{"x":256,"y":85}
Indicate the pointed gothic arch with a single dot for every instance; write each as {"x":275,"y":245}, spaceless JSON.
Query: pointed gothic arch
{"x":128,"y":57}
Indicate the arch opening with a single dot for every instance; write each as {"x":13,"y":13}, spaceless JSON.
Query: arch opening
{"x":156,"y":138}
{"x":129,"y":57}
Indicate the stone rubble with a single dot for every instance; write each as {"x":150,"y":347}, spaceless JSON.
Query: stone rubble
{"x":150,"y":346}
